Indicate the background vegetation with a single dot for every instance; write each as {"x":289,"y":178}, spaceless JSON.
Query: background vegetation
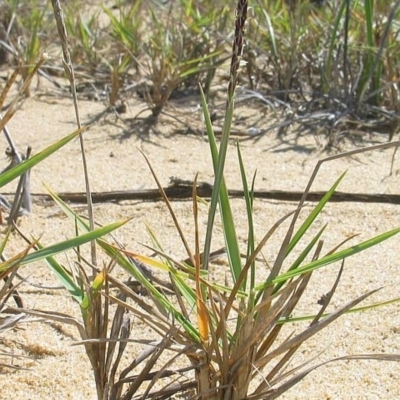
{"x":329,"y":66}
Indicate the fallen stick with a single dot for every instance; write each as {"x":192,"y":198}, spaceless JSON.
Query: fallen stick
{"x":183,"y":191}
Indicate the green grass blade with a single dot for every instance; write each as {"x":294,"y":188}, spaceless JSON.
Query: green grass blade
{"x":313,"y":215}
{"x":13,"y":173}
{"x":214,"y":197}
{"x":369,"y":21}
{"x":368,"y":307}
{"x":272,"y":37}
{"x":68,"y":211}
{"x":338,"y":256}
{"x":220,"y":193}
{"x":331,"y":51}
{"x":249,"y":209}
{"x":365,"y":77}
{"x":71,"y":243}
{"x":302,"y":256}
{"x":64,"y":277}
{"x":4,"y":240}
{"x":184,"y":289}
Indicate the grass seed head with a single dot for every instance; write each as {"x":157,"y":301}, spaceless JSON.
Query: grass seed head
{"x":237,"y":48}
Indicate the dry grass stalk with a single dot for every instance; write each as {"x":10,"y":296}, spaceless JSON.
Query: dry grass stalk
{"x":69,"y":70}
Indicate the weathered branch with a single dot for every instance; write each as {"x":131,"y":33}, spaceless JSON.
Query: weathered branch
{"x":183,"y":190}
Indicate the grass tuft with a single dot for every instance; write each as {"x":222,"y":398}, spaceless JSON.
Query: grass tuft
{"x":233,"y":337}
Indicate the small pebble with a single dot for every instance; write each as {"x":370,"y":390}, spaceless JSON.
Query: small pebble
{"x":253,"y":131}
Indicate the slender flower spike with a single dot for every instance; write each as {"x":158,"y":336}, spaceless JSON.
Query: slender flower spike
{"x":237,"y":49}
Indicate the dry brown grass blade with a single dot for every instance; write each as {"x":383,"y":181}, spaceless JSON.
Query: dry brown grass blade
{"x":8,"y":270}
{"x":327,"y":298}
{"x":7,"y":87}
{"x":163,"y":372}
{"x":382,"y":357}
{"x":152,"y":347}
{"x":9,"y":289}
{"x":266,"y":345}
{"x":11,"y":354}
{"x":16,"y":259}
{"x":120,"y":329}
{"x":284,"y":375}
{"x":13,"y":105}
{"x":270,"y":340}
{"x":218,"y":347}
{"x":22,"y":196}
{"x":265,"y":321}
{"x":171,"y":211}
{"x":311,"y":330}
{"x":156,"y":353}
{"x":156,"y":320}
{"x":10,"y":321}
{"x":274,"y":393}
{"x":57,"y":317}
{"x":170,"y":390}
{"x":241,"y":364}
{"x":242,"y":350}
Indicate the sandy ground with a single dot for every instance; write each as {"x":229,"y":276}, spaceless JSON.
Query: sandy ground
{"x":57,"y":370}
